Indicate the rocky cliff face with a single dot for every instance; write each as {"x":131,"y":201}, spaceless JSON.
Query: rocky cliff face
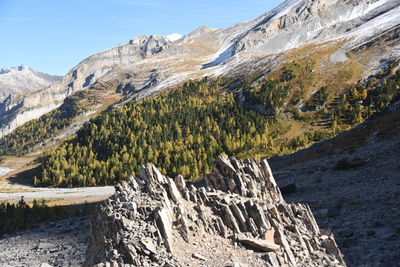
{"x":17,"y":86}
{"x":299,"y":22}
{"x":238,"y":218}
{"x":154,"y":62}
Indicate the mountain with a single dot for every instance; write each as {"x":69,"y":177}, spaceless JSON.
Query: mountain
{"x":302,"y":73}
{"x":361,"y":31}
{"x":23,"y":79}
{"x":16,"y":85}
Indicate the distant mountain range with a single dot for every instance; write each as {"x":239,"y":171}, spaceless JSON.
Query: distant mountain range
{"x":23,"y":79}
{"x":363,"y":32}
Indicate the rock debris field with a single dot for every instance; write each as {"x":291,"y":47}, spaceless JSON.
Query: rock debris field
{"x":61,"y":243}
{"x":361,"y":205}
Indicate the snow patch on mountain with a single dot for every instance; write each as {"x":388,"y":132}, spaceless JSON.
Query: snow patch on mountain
{"x":376,"y":26}
{"x":173,"y":37}
{"x":220,"y":56}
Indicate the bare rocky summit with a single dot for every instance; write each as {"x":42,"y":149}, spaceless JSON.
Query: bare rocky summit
{"x":238,"y":217}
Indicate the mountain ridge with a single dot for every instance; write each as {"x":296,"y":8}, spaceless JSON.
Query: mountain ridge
{"x":155,"y":63}
{"x":23,"y":79}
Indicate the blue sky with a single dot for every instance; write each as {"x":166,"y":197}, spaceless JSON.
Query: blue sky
{"x":55,"y":35}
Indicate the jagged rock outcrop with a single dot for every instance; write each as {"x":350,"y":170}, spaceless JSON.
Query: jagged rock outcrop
{"x":237,"y":218}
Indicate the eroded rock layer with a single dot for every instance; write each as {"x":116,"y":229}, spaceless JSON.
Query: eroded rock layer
{"x":237,"y":218}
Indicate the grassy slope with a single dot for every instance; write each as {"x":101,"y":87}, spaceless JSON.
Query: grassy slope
{"x":385,"y":125}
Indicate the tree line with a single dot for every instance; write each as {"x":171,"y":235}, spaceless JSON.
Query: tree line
{"x":181,"y":132}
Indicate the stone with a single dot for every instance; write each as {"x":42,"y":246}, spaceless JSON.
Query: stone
{"x":149,"y":245}
{"x":164,"y":224}
{"x":258,"y":215}
{"x":225,"y":166}
{"x":180,"y":183}
{"x":239,"y":216}
{"x":281,"y":239}
{"x":202,"y":193}
{"x":231,"y":185}
{"x":260,"y":244}
{"x":158,"y":176}
{"x":128,"y":224}
{"x":199,"y":256}
{"x":229,"y":219}
{"x":252,"y":226}
{"x":272,"y":259}
{"x":269,"y":235}
{"x":268,"y":173}
{"x":331,"y":247}
{"x":173,"y":191}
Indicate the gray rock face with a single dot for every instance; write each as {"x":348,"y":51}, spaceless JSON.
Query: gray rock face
{"x":15,"y":84}
{"x":150,"y":45}
{"x":298,"y":22}
{"x":239,"y":216}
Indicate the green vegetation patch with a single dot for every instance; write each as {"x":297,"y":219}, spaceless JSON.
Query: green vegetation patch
{"x":368,"y":97}
{"x":182,"y":132}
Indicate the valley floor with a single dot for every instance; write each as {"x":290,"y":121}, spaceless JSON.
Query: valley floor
{"x":17,"y":182}
{"x":57,"y":196}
